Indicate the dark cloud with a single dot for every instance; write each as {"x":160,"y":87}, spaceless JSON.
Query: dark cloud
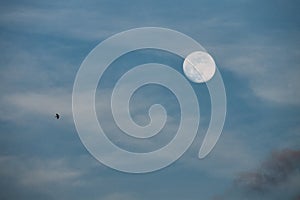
{"x":275,"y":170}
{"x":278,"y":177}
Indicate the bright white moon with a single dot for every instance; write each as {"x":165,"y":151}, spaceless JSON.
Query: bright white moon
{"x":199,"y":67}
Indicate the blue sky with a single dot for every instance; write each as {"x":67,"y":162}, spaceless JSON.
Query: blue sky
{"x":256,"y":47}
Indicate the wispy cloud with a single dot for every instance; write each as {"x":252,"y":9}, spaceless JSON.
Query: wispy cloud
{"x":36,"y":174}
{"x":42,"y":46}
{"x":40,"y":20}
{"x":22,"y":105}
{"x":272,"y":71}
{"x":119,"y":196}
{"x":230,"y":156}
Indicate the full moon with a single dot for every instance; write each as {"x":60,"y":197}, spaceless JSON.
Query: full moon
{"x":199,"y":67}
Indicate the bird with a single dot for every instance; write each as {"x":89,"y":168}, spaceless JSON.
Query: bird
{"x":57,"y":116}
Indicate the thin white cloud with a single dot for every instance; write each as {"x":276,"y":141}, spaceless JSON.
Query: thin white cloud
{"x":90,"y":24}
{"x":119,"y":196}
{"x":230,"y":155}
{"x":36,"y":172}
{"x":20,"y":105}
{"x":271,"y":71}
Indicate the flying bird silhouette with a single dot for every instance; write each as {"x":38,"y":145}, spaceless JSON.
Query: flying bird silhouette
{"x":57,"y":116}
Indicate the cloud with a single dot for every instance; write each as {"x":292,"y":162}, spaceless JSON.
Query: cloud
{"x":87,"y":27}
{"x":43,"y":45}
{"x":230,"y":155}
{"x":37,"y":171}
{"x":22,"y":105}
{"x":273,"y":171}
{"x":261,"y":59}
{"x":119,"y":196}
{"x":271,"y":71}
{"x":278,"y":177}
{"x":35,"y":176}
